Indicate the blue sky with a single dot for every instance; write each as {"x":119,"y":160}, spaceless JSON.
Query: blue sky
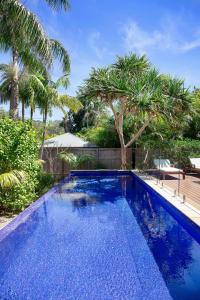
{"x":95,"y":31}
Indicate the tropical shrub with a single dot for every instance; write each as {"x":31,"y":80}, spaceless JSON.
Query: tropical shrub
{"x":76,"y":160}
{"x":102,"y":136}
{"x":19,"y":165}
{"x":45,"y":181}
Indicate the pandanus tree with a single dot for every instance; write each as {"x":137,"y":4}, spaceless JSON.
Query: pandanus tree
{"x":131,"y":88}
{"x":23,"y":35}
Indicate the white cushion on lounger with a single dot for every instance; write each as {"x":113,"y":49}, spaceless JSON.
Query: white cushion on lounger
{"x":162,"y":163}
{"x":170,"y":169}
{"x":195,"y":162}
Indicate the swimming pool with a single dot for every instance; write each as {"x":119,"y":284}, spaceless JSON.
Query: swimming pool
{"x":100,"y":235}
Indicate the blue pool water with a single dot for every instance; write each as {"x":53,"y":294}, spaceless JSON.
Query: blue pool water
{"x":100,"y":237}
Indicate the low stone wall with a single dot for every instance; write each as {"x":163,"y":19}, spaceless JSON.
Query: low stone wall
{"x":104,"y":158}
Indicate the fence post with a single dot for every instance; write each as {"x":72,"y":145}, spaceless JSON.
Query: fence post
{"x":98,"y":155}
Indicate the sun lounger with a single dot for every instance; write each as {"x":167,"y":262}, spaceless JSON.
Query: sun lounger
{"x":195,"y":165}
{"x":165,"y":168}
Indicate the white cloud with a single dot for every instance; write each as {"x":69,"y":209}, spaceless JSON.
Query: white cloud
{"x":97,"y":45}
{"x":167,"y":38}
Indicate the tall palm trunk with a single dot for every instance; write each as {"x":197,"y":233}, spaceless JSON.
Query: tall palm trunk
{"x":14,"y":101}
{"x":23,"y":110}
{"x":45,"y":122}
{"x":31,"y":114}
{"x":44,"y":130}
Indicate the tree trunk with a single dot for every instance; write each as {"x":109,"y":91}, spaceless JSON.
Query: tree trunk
{"x":123,"y":158}
{"x":66,"y":125}
{"x":44,"y":130}
{"x":140,"y":131}
{"x":119,"y":119}
{"x":45,"y":123}
{"x":31,"y":114}
{"x":14,"y":101}
{"x":23,"y":109}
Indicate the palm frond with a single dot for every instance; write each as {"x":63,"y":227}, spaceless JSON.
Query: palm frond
{"x":40,"y":162}
{"x":70,"y":102}
{"x":60,"y":53}
{"x":63,"y":81}
{"x":11,"y":178}
{"x":69,"y":158}
{"x":24,"y":25}
{"x":57,"y":4}
{"x":7,"y":73}
{"x":32,"y":61}
{"x":75,"y":160}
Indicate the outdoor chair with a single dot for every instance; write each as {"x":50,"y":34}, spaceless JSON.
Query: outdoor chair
{"x":165,"y":168}
{"x":195,"y":165}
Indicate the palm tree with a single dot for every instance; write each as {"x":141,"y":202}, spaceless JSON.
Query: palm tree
{"x":51,"y":98}
{"x":17,"y":24}
{"x":133,"y":89}
{"x":30,"y":84}
{"x":7,"y":73}
{"x":22,"y":33}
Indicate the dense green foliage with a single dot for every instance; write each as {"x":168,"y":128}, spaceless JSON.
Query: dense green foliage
{"x":180,"y":151}
{"x":101,"y":136}
{"x":88,"y":116}
{"x":18,"y":152}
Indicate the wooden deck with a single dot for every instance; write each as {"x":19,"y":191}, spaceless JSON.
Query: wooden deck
{"x":190,"y":187}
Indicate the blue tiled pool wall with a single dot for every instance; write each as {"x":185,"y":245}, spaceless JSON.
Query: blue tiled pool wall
{"x":100,"y":173}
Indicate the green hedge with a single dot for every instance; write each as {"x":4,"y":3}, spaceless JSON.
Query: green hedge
{"x":18,"y":151}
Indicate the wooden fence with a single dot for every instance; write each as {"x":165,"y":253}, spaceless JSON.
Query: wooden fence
{"x":104,"y":158}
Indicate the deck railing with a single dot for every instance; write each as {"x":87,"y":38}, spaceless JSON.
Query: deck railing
{"x":184,"y":190}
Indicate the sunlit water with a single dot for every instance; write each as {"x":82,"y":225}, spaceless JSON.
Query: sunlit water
{"x":89,"y":240}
